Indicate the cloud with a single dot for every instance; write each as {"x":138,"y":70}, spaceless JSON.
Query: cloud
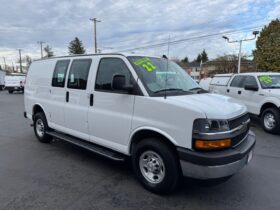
{"x":127,"y":24}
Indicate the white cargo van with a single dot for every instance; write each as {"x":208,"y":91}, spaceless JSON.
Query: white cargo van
{"x":144,"y":108}
{"x":260,"y":92}
{"x":14,"y":82}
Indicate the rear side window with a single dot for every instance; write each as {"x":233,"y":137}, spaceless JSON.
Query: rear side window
{"x":237,"y":81}
{"x":221,"y":81}
{"x":59,"y":73}
{"x":108,"y":67}
{"x":78,"y":75}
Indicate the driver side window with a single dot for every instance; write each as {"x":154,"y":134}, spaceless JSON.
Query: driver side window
{"x":108,"y":67}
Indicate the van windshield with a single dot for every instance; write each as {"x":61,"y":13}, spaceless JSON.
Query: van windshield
{"x":270,"y":81}
{"x":161,"y":76}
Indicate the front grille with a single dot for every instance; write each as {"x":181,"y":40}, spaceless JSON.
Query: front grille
{"x":239,"y":138}
{"x":238,"y":121}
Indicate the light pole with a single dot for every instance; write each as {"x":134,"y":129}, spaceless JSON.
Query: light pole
{"x":255,"y":33}
{"x":20,"y":62}
{"x":41,"y":45}
{"x":5,"y":66}
{"x":95,"y":20}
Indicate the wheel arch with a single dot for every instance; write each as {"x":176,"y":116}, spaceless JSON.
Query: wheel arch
{"x":267,"y":105}
{"x":147,"y":132}
{"x":36,"y":109}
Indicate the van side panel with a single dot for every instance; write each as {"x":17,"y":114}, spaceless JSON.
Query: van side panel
{"x":37,"y":87}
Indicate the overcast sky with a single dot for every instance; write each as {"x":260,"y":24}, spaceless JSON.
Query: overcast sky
{"x":127,"y":24}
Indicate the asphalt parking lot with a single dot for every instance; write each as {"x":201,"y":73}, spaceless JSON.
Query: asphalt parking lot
{"x":61,"y":176}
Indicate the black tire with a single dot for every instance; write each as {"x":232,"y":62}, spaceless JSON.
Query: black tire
{"x":276,"y":115}
{"x":40,"y":132}
{"x":171,"y":165}
{"x":10,"y":91}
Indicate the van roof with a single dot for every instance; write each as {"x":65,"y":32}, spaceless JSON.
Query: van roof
{"x":85,"y":55}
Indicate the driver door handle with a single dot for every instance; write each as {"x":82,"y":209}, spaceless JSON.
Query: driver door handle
{"x":67,"y":96}
{"x":91,"y":100}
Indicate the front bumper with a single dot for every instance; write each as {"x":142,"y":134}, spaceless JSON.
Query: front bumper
{"x":17,"y":88}
{"x":211,"y":165}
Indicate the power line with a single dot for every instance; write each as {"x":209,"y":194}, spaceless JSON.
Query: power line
{"x":202,"y":25}
{"x":186,"y":39}
{"x":195,"y":34}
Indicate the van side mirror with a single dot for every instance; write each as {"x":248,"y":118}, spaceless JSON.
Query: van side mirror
{"x":118,"y":84}
{"x":251,"y":87}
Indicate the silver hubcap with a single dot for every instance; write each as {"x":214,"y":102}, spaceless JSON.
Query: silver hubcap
{"x":269,"y":121}
{"x":40,"y":129}
{"x":152,"y":167}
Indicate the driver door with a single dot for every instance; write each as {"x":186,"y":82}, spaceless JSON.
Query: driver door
{"x":110,"y":114}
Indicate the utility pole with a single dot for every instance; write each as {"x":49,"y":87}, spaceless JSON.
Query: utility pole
{"x":13,"y":67}
{"x":20,"y":63}
{"x":255,"y":33}
{"x":5,"y":66}
{"x":95,"y":20}
{"x":41,"y":44}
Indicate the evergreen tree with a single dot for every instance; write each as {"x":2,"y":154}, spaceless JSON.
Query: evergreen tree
{"x":198,"y":59}
{"x":48,"y":51}
{"x":185,"y":60}
{"x":76,"y":47}
{"x":267,"y":53}
{"x":204,"y":56}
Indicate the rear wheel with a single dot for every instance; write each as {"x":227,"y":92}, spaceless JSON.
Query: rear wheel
{"x":156,"y":166}
{"x":271,"y":120}
{"x":41,"y":127}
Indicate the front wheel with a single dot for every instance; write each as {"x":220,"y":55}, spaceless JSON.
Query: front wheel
{"x":156,"y":166}
{"x":41,"y":128}
{"x":10,"y":91}
{"x":271,"y":120}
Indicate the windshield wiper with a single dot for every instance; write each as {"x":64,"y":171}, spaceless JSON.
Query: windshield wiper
{"x":170,"y":89}
{"x":196,"y":88}
{"x":199,"y":90}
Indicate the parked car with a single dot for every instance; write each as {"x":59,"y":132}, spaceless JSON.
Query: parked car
{"x":260,"y":92}
{"x":147,"y":109}
{"x":14,"y":82}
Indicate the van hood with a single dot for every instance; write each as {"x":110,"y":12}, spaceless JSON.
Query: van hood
{"x":214,"y":106}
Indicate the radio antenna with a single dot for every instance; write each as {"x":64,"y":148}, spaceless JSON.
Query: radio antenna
{"x":167,"y":66}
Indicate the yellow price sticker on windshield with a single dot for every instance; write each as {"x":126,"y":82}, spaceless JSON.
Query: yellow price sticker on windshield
{"x":146,"y":63}
{"x":266,"y":79}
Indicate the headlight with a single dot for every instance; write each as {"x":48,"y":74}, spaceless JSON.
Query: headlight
{"x":208,"y":134}
{"x":210,"y":126}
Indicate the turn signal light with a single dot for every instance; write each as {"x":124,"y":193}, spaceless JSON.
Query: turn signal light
{"x":208,"y":145}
